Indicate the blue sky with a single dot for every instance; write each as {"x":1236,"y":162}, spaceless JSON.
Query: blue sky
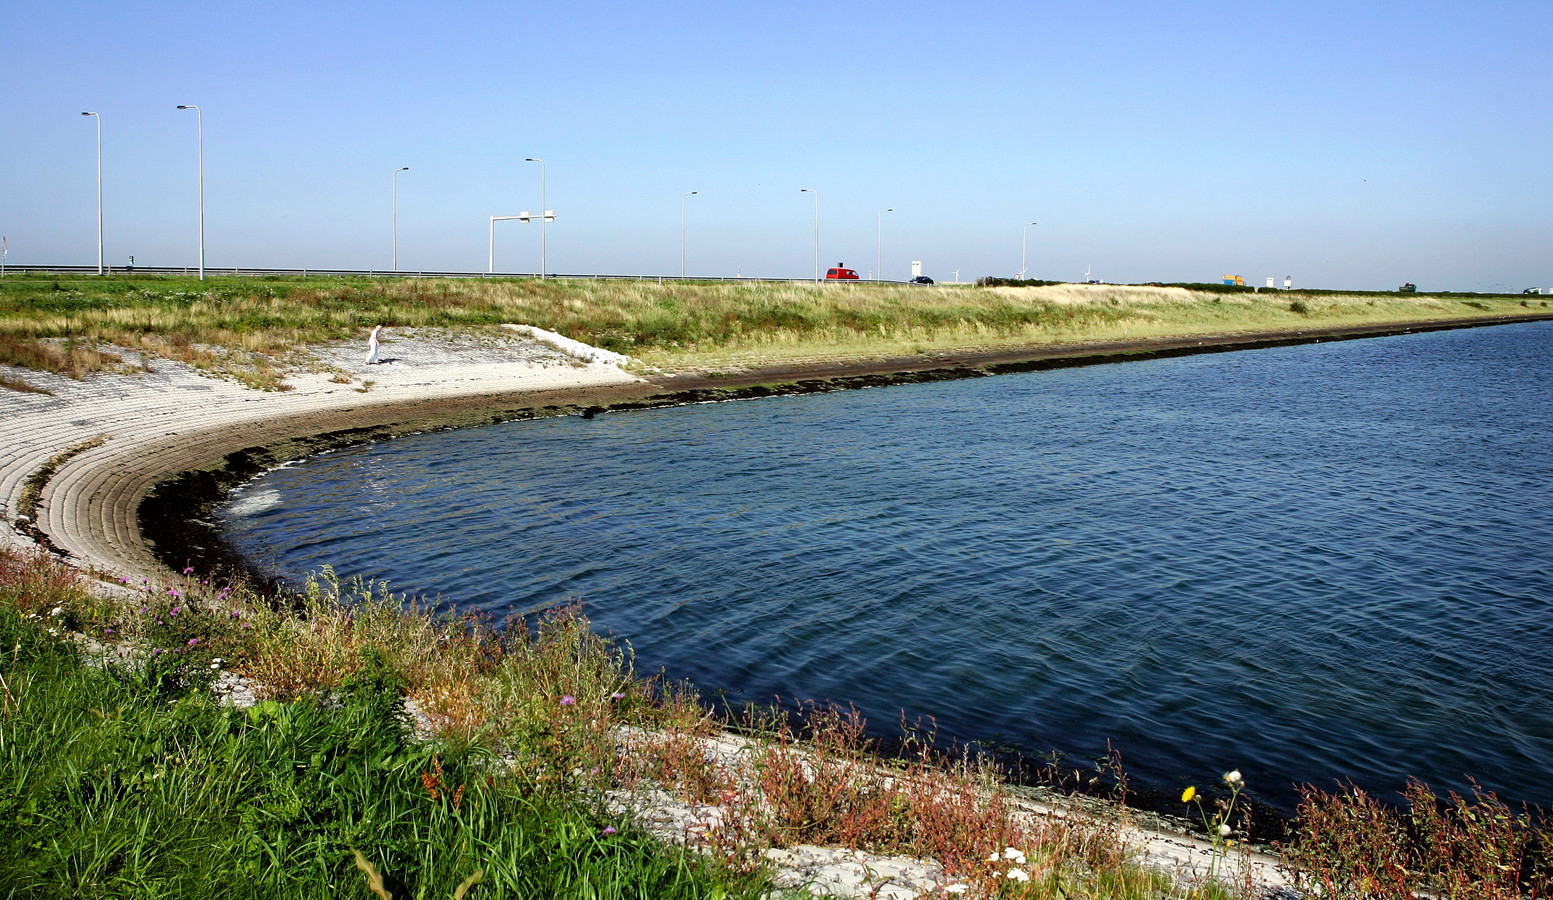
{"x":1346,"y":144}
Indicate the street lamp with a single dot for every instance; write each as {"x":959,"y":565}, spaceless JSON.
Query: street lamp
{"x":1022,"y":232}
{"x":879,"y":263}
{"x":201,"y":120}
{"x":816,"y":229}
{"x":544,"y":213}
{"x":99,"y":188}
{"x":396,"y":214}
{"x":682,"y":231}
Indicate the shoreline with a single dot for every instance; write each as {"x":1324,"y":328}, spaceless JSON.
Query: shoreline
{"x":137,"y":504}
{"x":149,"y":494}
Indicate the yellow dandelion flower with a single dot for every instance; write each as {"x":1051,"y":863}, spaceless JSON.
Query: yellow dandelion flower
{"x":1188,"y":794}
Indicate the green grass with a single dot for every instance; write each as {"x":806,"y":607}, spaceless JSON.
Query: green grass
{"x":254,"y":328}
{"x":128,"y":779}
{"x":128,"y":782}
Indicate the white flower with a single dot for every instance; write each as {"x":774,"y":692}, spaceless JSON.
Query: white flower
{"x":1013,"y":853}
{"x":1018,"y":875}
{"x":218,"y":660}
{"x":994,"y":858}
{"x":57,"y":611}
{"x":1232,"y":777}
{"x":955,"y":888}
{"x":1224,"y":830}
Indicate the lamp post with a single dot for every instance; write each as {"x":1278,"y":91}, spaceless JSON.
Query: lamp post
{"x":816,"y":229}
{"x":879,"y":250}
{"x":1022,"y":232}
{"x":99,"y":188}
{"x":396,"y":215}
{"x":682,"y":231}
{"x":201,"y":120}
{"x":543,"y":214}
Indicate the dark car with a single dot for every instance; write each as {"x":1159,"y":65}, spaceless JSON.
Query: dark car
{"x":840,"y":273}
{"x":920,"y":279}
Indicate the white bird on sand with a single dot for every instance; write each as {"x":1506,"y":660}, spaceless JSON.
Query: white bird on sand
{"x":372,"y":346}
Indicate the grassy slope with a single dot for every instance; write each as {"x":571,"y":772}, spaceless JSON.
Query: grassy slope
{"x":252,"y":327}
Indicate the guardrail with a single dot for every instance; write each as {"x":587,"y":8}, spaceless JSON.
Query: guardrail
{"x":241,"y":272}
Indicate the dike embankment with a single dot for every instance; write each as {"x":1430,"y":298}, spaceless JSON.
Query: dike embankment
{"x":117,"y":473}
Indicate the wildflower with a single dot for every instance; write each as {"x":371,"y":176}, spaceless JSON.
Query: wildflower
{"x":956,"y":888}
{"x":188,"y":570}
{"x":568,"y":700}
{"x":1223,"y":829}
{"x":193,"y":641}
{"x":156,"y":651}
{"x":177,"y":610}
{"x":617,"y":695}
{"x":994,"y":858}
{"x":173,"y":592}
{"x":609,"y":829}
{"x":1188,"y":794}
{"x":1233,"y":777}
{"x":218,"y":660}
{"x":1018,"y":875}
{"x":145,"y":609}
{"x":57,"y":611}
{"x":1015,"y":854}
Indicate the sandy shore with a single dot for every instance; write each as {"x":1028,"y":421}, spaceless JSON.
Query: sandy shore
{"x":171,"y":419}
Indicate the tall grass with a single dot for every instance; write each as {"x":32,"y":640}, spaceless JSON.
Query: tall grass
{"x":128,"y":778}
{"x":123,"y":781}
{"x":256,"y":328}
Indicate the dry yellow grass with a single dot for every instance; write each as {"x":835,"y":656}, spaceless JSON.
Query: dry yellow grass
{"x":254,"y":329}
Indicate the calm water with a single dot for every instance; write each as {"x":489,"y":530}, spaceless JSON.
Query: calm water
{"x":1319,"y":562}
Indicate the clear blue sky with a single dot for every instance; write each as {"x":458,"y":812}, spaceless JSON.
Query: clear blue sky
{"x":1347,"y":144}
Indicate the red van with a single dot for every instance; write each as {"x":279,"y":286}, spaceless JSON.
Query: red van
{"x":841,"y":273}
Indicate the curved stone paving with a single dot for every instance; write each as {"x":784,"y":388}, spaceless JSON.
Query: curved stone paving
{"x":173,"y":419}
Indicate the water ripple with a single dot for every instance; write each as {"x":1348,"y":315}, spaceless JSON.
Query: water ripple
{"x":1312,"y":563}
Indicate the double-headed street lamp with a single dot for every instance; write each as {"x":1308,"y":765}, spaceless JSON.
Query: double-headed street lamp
{"x":879,"y":263}
{"x":99,"y":188}
{"x":544,"y":213}
{"x":201,"y":120}
{"x":1022,"y":232}
{"x":682,"y":231}
{"x":396,"y":215}
{"x":816,"y":229}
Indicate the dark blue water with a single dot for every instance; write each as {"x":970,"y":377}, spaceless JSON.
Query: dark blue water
{"x":1311,"y":563}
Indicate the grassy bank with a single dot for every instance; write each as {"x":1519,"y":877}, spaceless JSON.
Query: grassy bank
{"x":122,"y":775}
{"x":255,"y":328}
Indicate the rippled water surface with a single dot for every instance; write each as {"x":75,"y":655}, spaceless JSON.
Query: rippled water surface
{"x":1317,"y":562}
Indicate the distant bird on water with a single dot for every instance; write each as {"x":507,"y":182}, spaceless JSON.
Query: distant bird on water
{"x":372,"y":346}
